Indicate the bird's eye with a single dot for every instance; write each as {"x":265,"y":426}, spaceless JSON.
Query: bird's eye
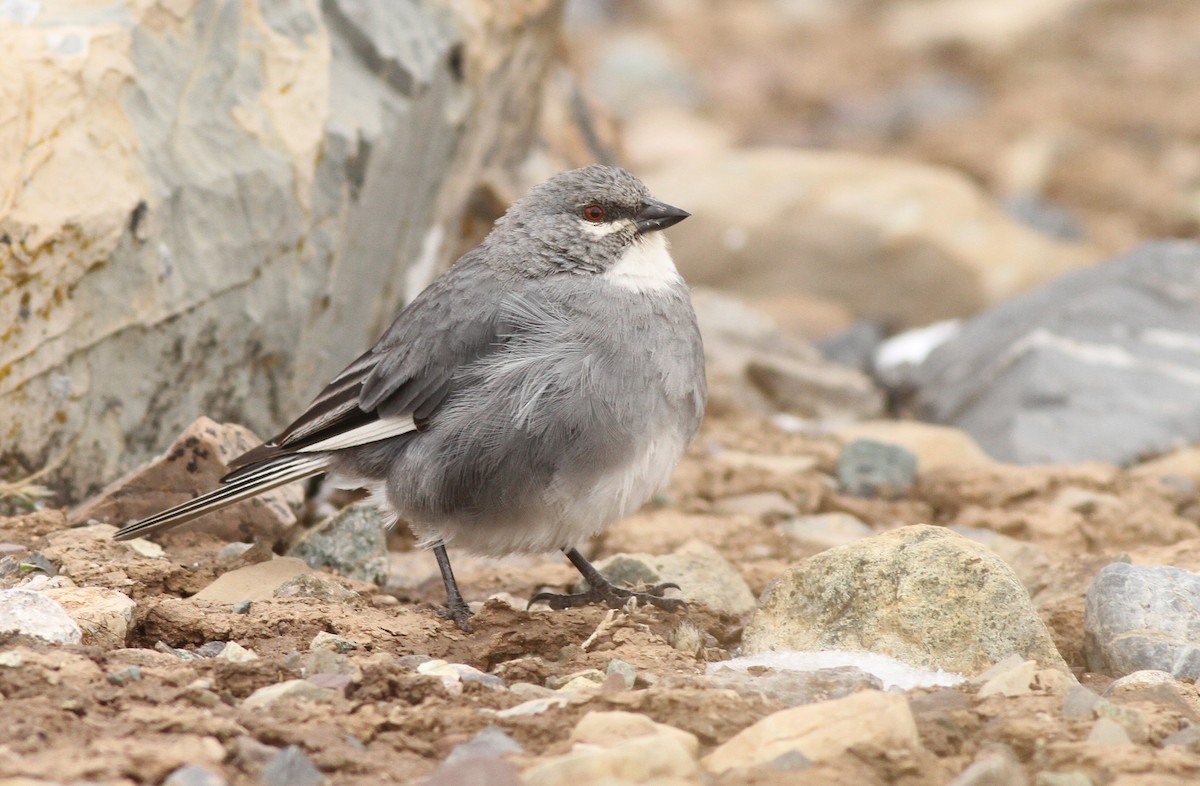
{"x":593,"y":213}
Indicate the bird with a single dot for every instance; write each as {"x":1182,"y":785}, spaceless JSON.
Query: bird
{"x":541,"y":388}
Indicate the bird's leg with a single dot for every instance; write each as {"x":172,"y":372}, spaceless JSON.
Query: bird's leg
{"x":601,"y":590}
{"x":456,"y":608}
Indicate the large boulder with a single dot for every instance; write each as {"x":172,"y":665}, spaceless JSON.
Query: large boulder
{"x":1100,"y":365}
{"x":209,"y":208}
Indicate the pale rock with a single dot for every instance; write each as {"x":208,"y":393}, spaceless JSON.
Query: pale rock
{"x":921,"y":594}
{"x":936,"y":447}
{"x":627,"y":673}
{"x":783,"y":466}
{"x":993,"y":768}
{"x":925,"y":24}
{"x":236,"y":653}
{"x":195,"y":463}
{"x":870,"y":231}
{"x":703,"y":576}
{"x":820,"y":731}
{"x":534,"y":706}
{"x":145,"y":548}
{"x":253,"y":582}
{"x":105,"y":616}
{"x":195,"y":775}
{"x":867,"y":468}
{"x":314,"y":585}
{"x":760,"y":504}
{"x":607,"y":729}
{"x":825,"y":530}
{"x":1108,"y":732}
{"x":331,"y":641}
{"x":451,"y":680}
{"x":593,"y":678}
{"x":491,"y":744}
{"x":638,"y":760}
{"x":36,"y":614}
{"x":845,"y":668}
{"x":242,"y":159}
{"x":291,"y":767}
{"x":1015,"y":679}
{"x":288,"y":690}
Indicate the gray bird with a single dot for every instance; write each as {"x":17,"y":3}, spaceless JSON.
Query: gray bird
{"x":540,"y":389}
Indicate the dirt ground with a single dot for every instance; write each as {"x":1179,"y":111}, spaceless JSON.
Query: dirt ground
{"x":68,"y":716}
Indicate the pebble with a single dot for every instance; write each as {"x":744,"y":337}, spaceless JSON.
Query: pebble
{"x":314,"y":585}
{"x":451,"y":680}
{"x":252,"y":582}
{"x":476,"y":772}
{"x":36,"y":614}
{"x":236,"y":653}
{"x":867,"y":468}
{"x":623,"y":670}
{"x":231,"y":551}
{"x":607,"y":729}
{"x":195,"y":775}
{"x":291,"y":767}
{"x":761,"y":504}
{"x":352,"y":541}
{"x":1108,"y":732}
{"x":590,"y":678}
{"x":125,"y":675}
{"x":167,"y":649}
{"x":1188,"y":737}
{"x":145,"y":548}
{"x":104,"y":616}
{"x":210,"y":649}
{"x":1012,"y":676}
{"x":241,"y":607}
{"x":491,"y":743}
{"x":287,"y":690}
{"x":1062,"y":779}
{"x":534,"y":706}
{"x":635,"y":760}
{"x":331,"y":641}
{"x":825,"y":530}
{"x":1080,"y":702}
{"x":527,"y":690}
{"x":702,"y":573}
{"x":992,"y":768}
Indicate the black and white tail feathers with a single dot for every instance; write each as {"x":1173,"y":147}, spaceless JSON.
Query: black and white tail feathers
{"x":239,"y":485}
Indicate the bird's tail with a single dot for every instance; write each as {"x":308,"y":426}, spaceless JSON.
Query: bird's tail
{"x":247,"y":483}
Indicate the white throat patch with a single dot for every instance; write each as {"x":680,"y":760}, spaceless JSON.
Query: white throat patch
{"x":646,"y":267}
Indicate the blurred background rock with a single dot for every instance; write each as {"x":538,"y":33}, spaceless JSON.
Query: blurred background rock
{"x":207,"y":208}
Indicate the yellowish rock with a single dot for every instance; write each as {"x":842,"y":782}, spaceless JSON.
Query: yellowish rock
{"x":611,"y":728}
{"x":103,"y":615}
{"x":253,"y":582}
{"x":935,"y":447}
{"x":637,"y":760}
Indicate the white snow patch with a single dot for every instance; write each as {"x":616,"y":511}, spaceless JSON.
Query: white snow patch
{"x":894,"y":674}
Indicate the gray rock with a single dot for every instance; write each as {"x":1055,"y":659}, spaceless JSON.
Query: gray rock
{"x":921,"y":594}
{"x":1028,"y":377}
{"x":1108,"y":732}
{"x":491,"y":743}
{"x":703,"y":576}
{"x":291,"y":767}
{"x":354,"y":131}
{"x":1139,"y":618}
{"x":627,"y":673}
{"x":993,"y":768}
{"x":1188,"y":737}
{"x":1080,"y":702}
{"x":312,"y":585}
{"x":854,"y":347}
{"x":476,"y":772}
{"x":195,"y":775}
{"x":352,"y":541}
{"x":34,"y":614}
{"x":867,"y":468}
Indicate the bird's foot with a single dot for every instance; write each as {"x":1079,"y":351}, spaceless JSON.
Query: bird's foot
{"x":459,"y":612}
{"x":613,"y":597}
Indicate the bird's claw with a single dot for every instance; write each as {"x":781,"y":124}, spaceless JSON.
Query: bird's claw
{"x":460,"y":613}
{"x":613,"y":597}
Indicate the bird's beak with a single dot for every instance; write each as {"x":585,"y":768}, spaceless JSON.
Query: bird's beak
{"x":656,"y":215}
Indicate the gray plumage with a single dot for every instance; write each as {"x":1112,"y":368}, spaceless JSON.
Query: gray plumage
{"x":540,"y":389}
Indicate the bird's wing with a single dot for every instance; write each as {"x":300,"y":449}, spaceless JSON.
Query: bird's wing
{"x":397,"y":385}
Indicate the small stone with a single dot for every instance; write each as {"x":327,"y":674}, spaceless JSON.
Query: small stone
{"x":783,"y":466}
{"x":471,"y":674}
{"x":587,"y":677}
{"x":820,"y":731}
{"x":412,"y":661}
{"x":476,"y":772}
{"x":36,"y":614}
{"x":1014,"y":680}
{"x":867,"y":468}
{"x":702,"y":573}
{"x":491,"y":743}
{"x":353,"y":542}
{"x":210,"y":649}
{"x":1080,"y":702}
{"x":607,"y":729}
{"x":384,"y":601}
{"x":125,"y":675}
{"x":145,"y":548}
{"x":182,"y":654}
{"x":195,"y":775}
{"x":241,"y":607}
{"x":231,"y":551}
{"x":291,"y":767}
{"x":236,"y":653}
{"x":451,"y":679}
{"x":1188,"y":737}
{"x":251,"y":754}
{"x":534,"y":706}
{"x":1062,"y":779}
{"x":993,"y":768}
{"x":253,"y":582}
{"x":636,"y":760}
{"x":1130,"y":719}
{"x":527,"y":690}
{"x":331,"y":641}
{"x":825,"y":530}
{"x":287,"y":690}
{"x":1108,"y":732}
{"x":11,"y":659}
{"x":313,"y":585}
{"x":623,"y":670}
{"x":793,"y":688}
{"x":330,"y":681}
{"x":761,"y":504}
{"x":104,"y":616}
{"x":1138,"y":679}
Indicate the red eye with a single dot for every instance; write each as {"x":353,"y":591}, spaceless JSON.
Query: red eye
{"x":594,"y":213}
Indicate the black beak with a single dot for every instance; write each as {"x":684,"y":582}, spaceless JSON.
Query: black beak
{"x":656,"y":215}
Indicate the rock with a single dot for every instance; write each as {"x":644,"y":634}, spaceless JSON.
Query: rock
{"x":314,"y":585}
{"x":286,"y":690}
{"x":838,"y":670}
{"x":195,"y":463}
{"x":918,"y":24}
{"x":195,"y":775}
{"x":291,"y":767}
{"x":607,"y":729}
{"x":475,"y":772}
{"x":866,"y":230}
{"x":703,"y":576}
{"x":1027,"y":377}
{"x":825,"y":530}
{"x":328,"y":119}
{"x":535,"y":706}
{"x":896,"y":361}
{"x":353,"y":542}
{"x":759,"y":504}
{"x":1014,"y":678}
{"x":1139,"y":618}
{"x":104,"y":616}
{"x":491,"y":743}
{"x":752,"y":363}
{"x":637,"y":760}
{"x":586,"y":678}
{"x":853,"y":347}
{"x":782,"y":466}
{"x":253,"y":582}
{"x":867,"y":468}
{"x":993,"y":768}
{"x":145,"y":548}
{"x":820,"y":731}
{"x":1028,"y":561}
{"x":627,"y":673}
{"x":1108,"y":732}
{"x":921,"y":594}
{"x":1080,"y":702}
{"x":793,"y":688}
{"x":236,"y":653}
{"x":330,"y":641}
{"x":36,"y":614}
{"x":935,"y":447}
{"x":1188,"y":737}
